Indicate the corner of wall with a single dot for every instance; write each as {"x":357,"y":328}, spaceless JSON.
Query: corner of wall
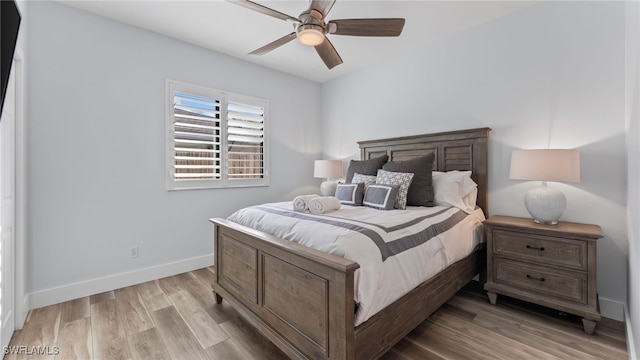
{"x":21,"y":315}
{"x":631,"y":348}
{"x":612,"y":309}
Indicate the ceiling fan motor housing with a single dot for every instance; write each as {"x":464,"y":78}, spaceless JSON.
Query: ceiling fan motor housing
{"x":311,"y":28}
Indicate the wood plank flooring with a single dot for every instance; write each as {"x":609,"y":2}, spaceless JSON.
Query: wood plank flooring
{"x":177,"y":318}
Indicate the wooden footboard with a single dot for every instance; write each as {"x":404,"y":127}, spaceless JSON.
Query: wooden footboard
{"x":376,"y":336}
{"x":299,"y":298}
{"x":302,"y":299}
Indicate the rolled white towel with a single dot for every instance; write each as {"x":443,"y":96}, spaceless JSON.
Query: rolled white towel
{"x":323,"y":204}
{"x":301,"y":202}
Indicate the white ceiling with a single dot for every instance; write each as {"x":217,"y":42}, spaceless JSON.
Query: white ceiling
{"x":234,"y":30}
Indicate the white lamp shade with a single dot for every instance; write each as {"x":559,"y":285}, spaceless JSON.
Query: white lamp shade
{"x":562,"y":165}
{"x":327,"y":168}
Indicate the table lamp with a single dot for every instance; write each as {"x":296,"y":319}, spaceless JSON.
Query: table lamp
{"x":327,"y":169}
{"x":545,"y":204}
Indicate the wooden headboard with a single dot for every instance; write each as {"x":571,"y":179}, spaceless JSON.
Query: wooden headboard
{"x":454,"y":150}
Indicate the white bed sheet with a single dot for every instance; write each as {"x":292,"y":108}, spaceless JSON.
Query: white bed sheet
{"x":380,"y":280}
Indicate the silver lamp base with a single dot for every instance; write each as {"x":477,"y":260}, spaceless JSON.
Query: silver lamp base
{"x":328,"y":188}
{"x":545,"y":204}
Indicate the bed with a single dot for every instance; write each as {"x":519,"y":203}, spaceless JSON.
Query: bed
{"x":302,"y":299}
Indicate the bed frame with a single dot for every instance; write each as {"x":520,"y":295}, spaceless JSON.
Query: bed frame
{"x":302,"y":299}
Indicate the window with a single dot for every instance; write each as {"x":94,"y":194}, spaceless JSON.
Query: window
{"x":215,"y":138}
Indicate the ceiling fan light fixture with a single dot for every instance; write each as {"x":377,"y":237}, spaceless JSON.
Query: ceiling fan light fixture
{"x":310,"y":35}
{"x":311,"y":28}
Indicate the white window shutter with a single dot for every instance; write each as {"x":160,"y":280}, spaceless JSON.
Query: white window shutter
{"x":196,"y":125}
{"x":245,"y":141}
{"x":214,"y":138}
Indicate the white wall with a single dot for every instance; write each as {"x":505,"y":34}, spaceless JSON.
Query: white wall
{"x":20,"y":295}
{"x":633,"y":149}
{"x":96,"y":156}
{"x":550,"y":75}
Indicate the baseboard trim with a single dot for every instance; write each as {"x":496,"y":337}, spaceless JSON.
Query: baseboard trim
{"x":631,"y":348}
{"x":95,"y":286}
{"x":608,"y":308}
{"x":21,"y":316}
{"x":611,"y":309}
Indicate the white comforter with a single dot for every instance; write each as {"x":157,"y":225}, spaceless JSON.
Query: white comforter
{"x":395,"y":251}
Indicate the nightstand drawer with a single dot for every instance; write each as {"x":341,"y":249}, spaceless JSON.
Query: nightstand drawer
{"x":541,"y":249}
{"x":567,"y":285}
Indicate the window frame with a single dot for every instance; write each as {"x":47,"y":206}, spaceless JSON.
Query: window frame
{"x":173,"y":86}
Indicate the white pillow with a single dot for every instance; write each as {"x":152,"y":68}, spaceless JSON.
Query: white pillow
{"x":455,"y":188}
{"x":469,"y":200}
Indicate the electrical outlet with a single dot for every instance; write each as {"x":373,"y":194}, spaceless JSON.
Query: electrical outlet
{"x":133,"y":252}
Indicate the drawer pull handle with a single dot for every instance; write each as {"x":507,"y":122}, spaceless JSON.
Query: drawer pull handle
{"x":535,"y":278}
{"x":535,"y":247}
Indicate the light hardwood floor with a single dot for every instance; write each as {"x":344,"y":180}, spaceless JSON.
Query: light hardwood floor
{"x":177,"y":318}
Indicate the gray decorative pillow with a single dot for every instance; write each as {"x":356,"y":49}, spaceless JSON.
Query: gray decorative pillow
{"x":366,"y":179}
{"x":350,"y":194}
{"x":381,"y":197}
{"x":365,"y":167}
{"x":403,"y":180}
{"x":421,"y":189}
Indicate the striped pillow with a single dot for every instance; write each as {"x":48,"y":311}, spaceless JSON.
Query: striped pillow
{"x":350,"y":194}
{"x":381,"y":197}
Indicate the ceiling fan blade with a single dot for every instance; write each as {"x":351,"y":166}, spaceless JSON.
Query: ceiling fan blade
{"x":328,"y":54}
{"x":323,"y":6}
{"x":273,"y":45}
{"x":366,"y":27}
{"x":263,"y":9}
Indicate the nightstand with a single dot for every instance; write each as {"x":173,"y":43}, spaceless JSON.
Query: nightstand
{"x":549,"y":265}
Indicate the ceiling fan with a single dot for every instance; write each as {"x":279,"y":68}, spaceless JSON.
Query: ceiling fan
{"x":311,"y":29}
